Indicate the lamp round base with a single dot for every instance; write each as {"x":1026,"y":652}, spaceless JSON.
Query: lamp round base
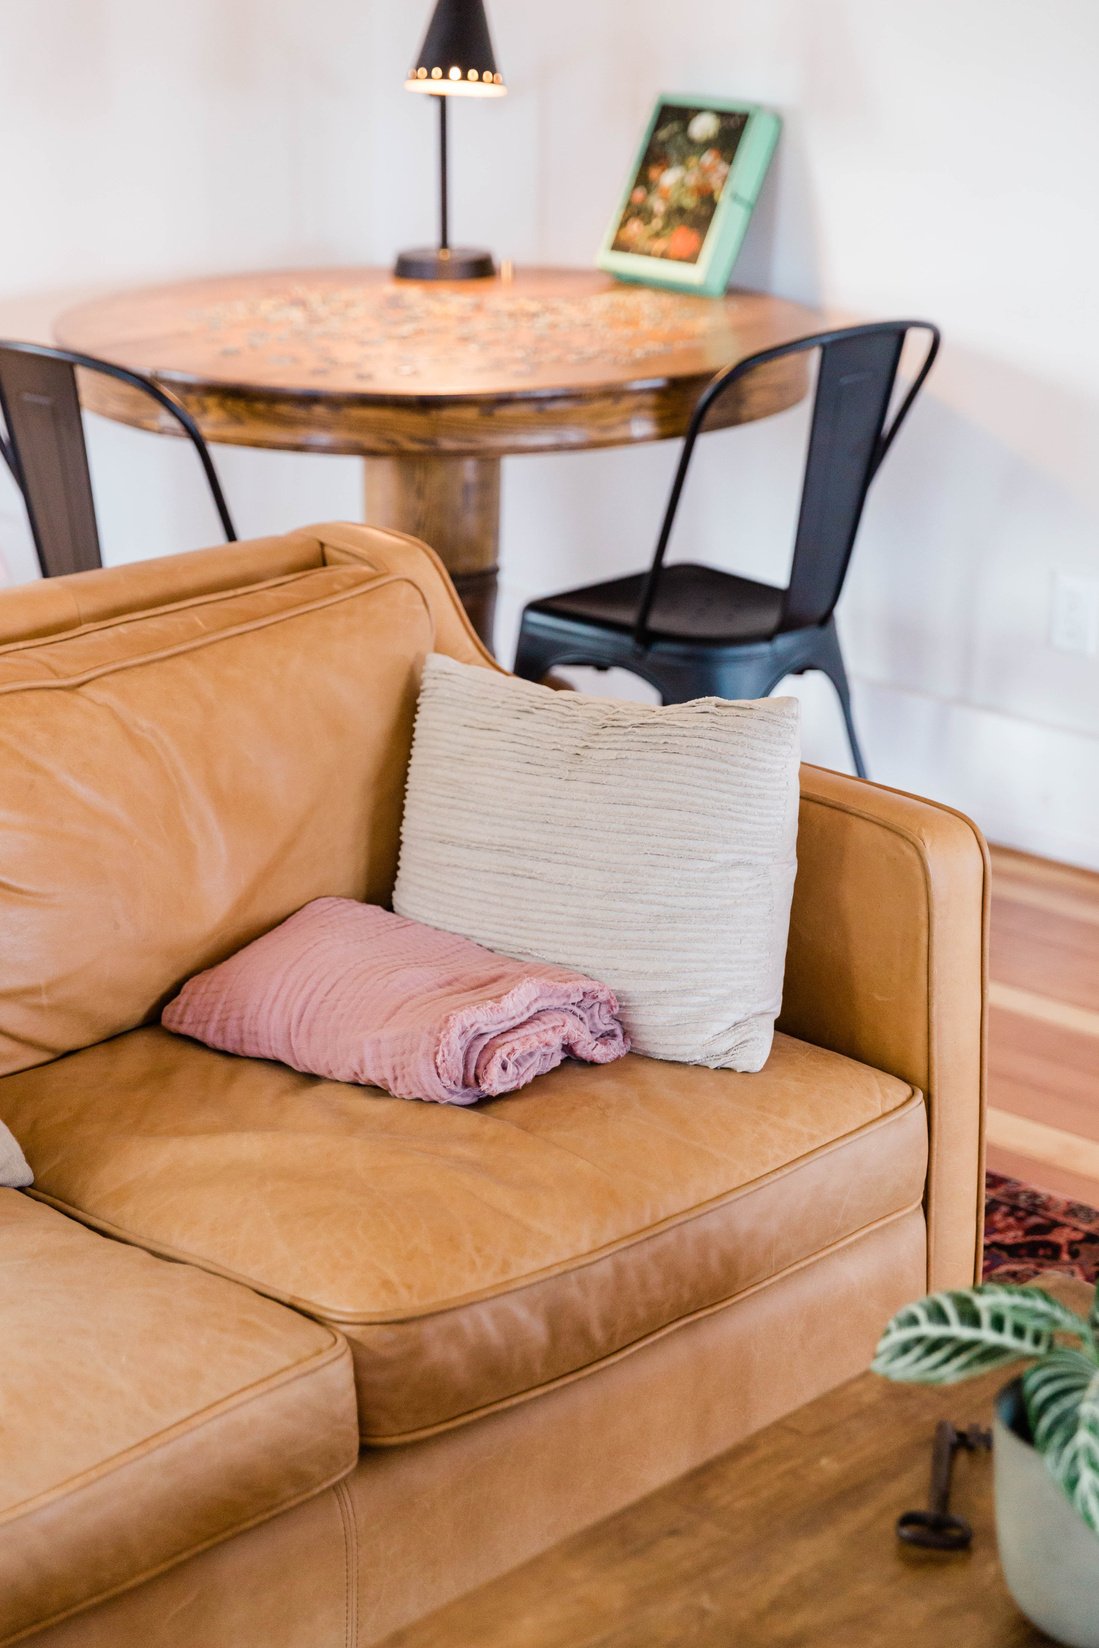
{"x":456,"y":263}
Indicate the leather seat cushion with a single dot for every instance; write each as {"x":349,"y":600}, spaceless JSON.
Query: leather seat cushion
{"x":474,"y":1256}
{"x":147,"y":1410}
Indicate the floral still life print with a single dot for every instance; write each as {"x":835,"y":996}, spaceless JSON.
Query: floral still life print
{"x":683,"y":172}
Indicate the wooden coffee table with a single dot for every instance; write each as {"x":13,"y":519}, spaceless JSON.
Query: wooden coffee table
{"x":787,"y":1541}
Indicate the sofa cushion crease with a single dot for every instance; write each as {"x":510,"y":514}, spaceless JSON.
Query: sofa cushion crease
{"x":911,"y":1114}
{"x":887,"y":1223}
{"x":117,"y":621}
{"x":479,"y":1257}
{"x":66,"y":652}
{"x":134,"y":1453}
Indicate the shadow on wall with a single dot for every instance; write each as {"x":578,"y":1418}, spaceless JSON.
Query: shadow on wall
{"x":781,"y":251}
{"x":951,"y":589}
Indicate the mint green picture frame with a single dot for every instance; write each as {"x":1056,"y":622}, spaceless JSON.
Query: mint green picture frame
{"x":708,"y":273}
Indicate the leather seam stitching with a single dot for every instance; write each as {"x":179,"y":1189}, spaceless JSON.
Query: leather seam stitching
{"x":339,"y":1320}
{"x":334,"y":532}
{"x":576,"y":1374}
{"x":911,"y":1106}
{"x":198,"y":643}
{"x":350,"y":1563}
{"x":932,"y":1047}
{"x":137,"y":615}
{"x":181,"y":1556}
{"x":150,"y":1445}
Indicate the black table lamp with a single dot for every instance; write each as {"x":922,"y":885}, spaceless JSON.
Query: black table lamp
{"x":456,"y":60}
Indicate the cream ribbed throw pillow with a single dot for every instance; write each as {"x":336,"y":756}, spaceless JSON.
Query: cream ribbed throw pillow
{"x":650,"y":848}
{"x":14,"y":1172}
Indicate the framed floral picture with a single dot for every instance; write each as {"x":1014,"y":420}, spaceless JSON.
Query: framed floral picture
{"x":690,"y":194}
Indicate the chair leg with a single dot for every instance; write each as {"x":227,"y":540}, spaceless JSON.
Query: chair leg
{"x":843,"y":692}
{"x":830,"y":662}
{"x":534,"y":657}
{"x":537,"y":655}
{"x":743,"y":677}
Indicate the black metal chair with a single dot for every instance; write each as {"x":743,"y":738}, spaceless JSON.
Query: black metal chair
{"x":47,"y":454}
{"x":693,"y":631}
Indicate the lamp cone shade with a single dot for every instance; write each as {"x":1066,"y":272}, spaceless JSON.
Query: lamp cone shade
{"x":457,"y":55}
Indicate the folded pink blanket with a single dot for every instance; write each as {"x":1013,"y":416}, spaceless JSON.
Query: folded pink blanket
{"x":350,"y":992}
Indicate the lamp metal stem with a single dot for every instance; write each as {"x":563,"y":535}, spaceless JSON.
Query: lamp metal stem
{"x":444,"y":262}
{"x":444,"y":180}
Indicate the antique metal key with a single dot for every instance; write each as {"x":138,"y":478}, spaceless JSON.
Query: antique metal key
{"x":936,"y":1529}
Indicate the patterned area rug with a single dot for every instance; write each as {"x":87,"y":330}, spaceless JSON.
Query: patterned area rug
{"x":1027,"y":1231}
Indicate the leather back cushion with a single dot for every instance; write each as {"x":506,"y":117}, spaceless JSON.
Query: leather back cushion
{"x":176,"y":782}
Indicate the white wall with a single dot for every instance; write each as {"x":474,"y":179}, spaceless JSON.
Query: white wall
{"x":939,"y":157}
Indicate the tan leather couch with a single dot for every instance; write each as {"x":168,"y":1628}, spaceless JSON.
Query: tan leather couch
{"x":285,"y":1363}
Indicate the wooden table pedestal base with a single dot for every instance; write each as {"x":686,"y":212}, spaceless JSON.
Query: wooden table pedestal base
{"x":453,"y":504}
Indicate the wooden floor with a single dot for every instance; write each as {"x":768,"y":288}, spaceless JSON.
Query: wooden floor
{"x":1044,"y":1025}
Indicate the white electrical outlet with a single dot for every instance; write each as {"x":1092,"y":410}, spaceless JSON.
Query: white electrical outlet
{"x":1074,"y":616}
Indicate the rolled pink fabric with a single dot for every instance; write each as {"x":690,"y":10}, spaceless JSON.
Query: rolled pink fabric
{"x":353,"y":993}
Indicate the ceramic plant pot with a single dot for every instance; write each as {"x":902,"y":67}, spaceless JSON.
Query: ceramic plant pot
{"x":1050,"y":1557}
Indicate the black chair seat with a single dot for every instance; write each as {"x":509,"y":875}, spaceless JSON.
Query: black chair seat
{"x":694,"y":632}
{"x":693,"y":603}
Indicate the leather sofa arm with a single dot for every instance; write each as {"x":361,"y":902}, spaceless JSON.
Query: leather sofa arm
{"x":887,"y":963}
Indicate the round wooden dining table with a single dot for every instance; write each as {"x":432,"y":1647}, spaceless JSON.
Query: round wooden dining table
{"x":433,"y":383}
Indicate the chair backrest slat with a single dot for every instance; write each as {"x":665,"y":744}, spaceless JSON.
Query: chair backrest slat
{"x":48,"y":456}
{"x":42,"y":412}
{"x":848,"y":438}
{"x":855,"y":381}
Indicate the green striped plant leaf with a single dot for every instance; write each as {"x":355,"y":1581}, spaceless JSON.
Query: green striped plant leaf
{"x":1093,"y":1314}
{"x":956,"y":1335}
{"x":1062,"y":1403}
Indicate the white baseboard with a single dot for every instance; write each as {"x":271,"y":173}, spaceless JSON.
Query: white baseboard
{"x":1027,"y":784}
